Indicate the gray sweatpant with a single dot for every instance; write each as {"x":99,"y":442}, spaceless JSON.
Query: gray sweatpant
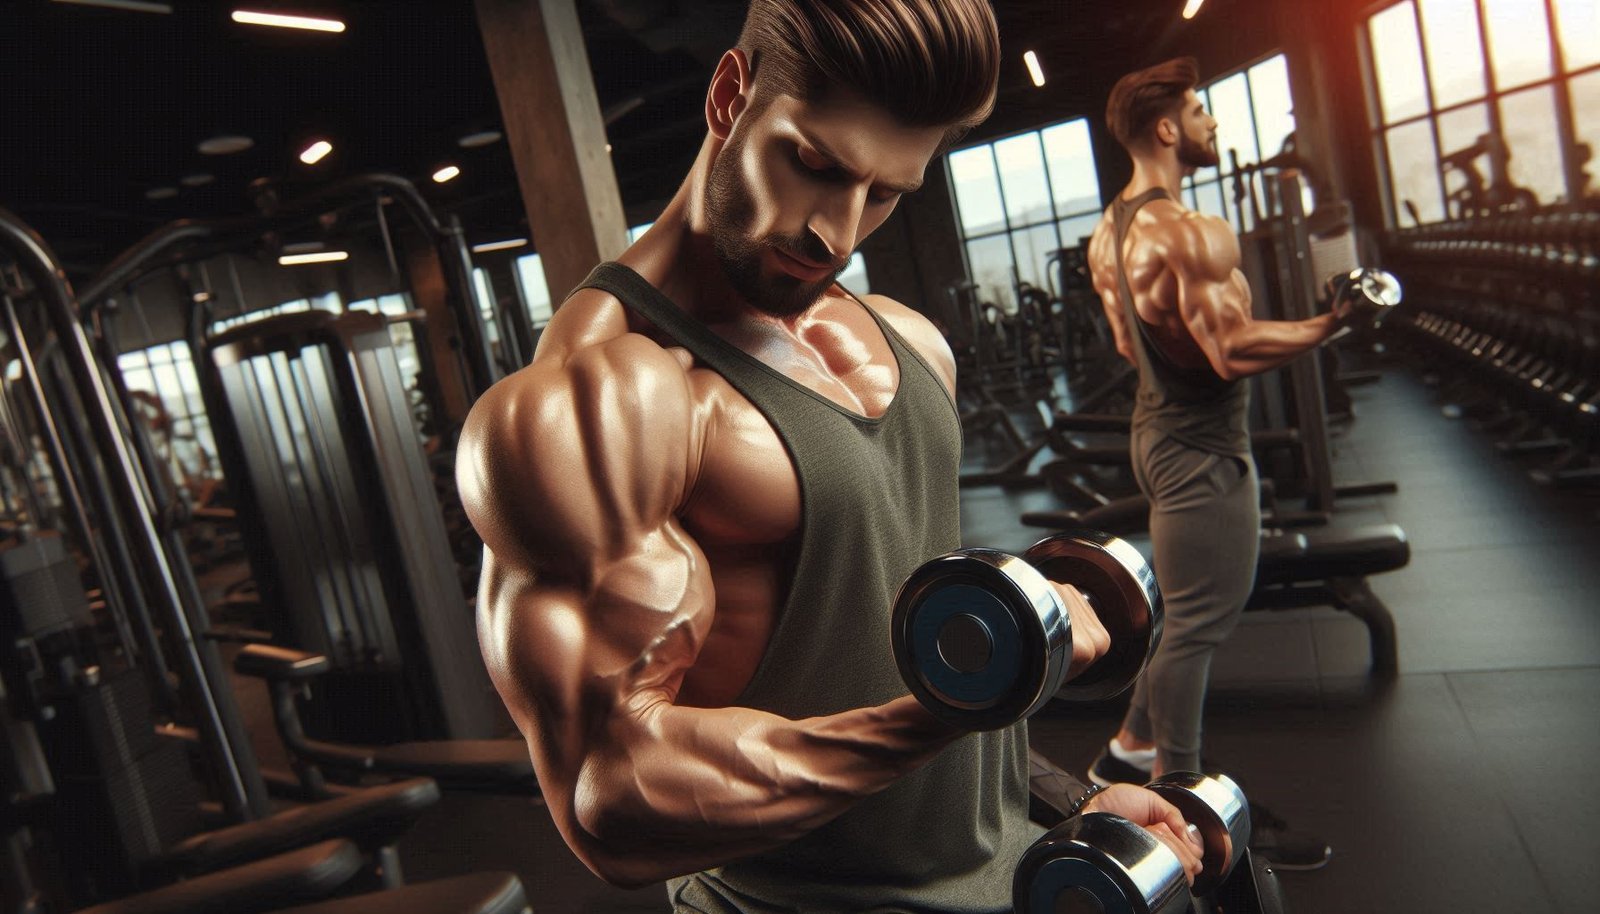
{"x":1205,"y":528}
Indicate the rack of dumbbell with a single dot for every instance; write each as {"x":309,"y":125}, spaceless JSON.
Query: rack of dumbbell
{"x":1505,"y":313}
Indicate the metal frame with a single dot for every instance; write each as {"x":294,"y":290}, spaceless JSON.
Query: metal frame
{"x":132,"y":517}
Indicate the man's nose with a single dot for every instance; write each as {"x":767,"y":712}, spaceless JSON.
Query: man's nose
{"x":837,"y":222}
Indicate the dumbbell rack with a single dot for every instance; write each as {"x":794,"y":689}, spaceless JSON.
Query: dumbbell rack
{"x":1510,"y":308}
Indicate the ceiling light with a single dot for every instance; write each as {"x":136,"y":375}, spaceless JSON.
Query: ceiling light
{"x":481,"y":138}
{"x":198,"y":180}
{"x":161,"y":193}
{"x":506,"y":245}
{"x":1034,"y":70}
{"x":225,"y":145}
{"x":313,"y":154}
{"x":1192,"y":7}
{"x":291,"y":260}
{"x":137,"y":6}
{"x":248,"y":17}
{"x":445,"y":174}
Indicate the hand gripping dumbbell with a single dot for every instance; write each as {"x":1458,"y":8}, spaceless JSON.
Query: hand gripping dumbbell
{"x":1362,"y":298}
{"x":1106,"y":864}
{"x":983,"y":640}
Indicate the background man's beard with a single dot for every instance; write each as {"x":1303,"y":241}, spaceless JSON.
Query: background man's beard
{"x":730,"y":211}
{"x":1196,"y":154}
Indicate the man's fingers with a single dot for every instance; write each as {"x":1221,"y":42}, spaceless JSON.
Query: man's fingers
{"x":1180,"y":846}
{"x":1090,"y":640}
{"x":1175,"y":822}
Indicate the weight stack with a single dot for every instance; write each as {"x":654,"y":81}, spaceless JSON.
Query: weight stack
{"x":343,"y":529}
{"x":123,"y":794}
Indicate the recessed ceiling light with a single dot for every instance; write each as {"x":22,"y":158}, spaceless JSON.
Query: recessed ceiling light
{"x":313,"y":154}
{"x":506,"y":245}
{"x":161,"y":193}
{"x":481,"y":138}
{"x":1191,"y":8}
{"x":293,"y":260}
{"x":137,"y":6}
{"x":447,"y":173}
{"x":225,"y":145}
{"x":252,"y":17}
{"x":198,"y":180}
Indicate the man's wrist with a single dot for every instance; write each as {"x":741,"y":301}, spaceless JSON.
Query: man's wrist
{"x":1078,"y":804}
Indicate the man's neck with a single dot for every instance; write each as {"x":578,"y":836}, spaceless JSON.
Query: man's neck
{"x":1157,"y":171}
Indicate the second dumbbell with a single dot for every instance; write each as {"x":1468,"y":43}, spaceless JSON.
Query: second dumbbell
{"x":1104,"y":863}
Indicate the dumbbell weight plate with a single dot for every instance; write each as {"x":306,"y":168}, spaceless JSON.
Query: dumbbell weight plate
{"x":1214,"y":804}
{"x":1099,"y":863}
{"x":980,"y":637}
{"x":1121,"y":587}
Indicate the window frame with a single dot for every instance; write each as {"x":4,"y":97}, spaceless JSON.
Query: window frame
{"x":1559,"y":81}
{"x":1010,"y":229}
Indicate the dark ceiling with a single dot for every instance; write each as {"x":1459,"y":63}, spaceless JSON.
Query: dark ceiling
{"x":98,"y":107}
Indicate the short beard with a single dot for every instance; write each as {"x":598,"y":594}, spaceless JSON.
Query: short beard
{"x":730,"y":210}
{"x":1192,"y":154}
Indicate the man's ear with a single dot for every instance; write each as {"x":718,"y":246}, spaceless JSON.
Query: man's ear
{"x":729,"y":94}
{"x":1167,"y":132}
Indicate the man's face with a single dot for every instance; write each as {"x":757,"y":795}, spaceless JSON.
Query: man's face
{"x":1197,"y":134}
{"x":797,"y":186}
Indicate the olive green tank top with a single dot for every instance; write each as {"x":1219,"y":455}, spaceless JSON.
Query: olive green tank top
{"x":1193,"y":406}
{"x":878,"y":498}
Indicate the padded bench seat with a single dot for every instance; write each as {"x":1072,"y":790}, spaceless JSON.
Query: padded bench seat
{"x":1333,"y":552}
{"x":1329,"y":566}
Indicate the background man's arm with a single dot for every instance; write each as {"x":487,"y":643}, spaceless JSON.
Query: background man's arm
{"x":1103,"y":273}
{"x":594,"y":604}
{"x":1214,"y":302}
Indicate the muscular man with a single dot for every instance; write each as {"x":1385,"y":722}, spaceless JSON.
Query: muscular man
{"x":1179,"y":309}
{"x":699,"y":499}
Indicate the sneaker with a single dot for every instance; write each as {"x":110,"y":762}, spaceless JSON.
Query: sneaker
{"x":1273,"y":841}
{"x":1108,"y":769}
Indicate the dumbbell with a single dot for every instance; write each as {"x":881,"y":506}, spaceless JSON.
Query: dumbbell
{"x":1362,"y":298}
{"x":1103,"y":863}
{"x":983,"y":640}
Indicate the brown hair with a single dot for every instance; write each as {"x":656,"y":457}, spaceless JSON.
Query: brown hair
{"x":929,"y":62}
{"x":1145,"y":96}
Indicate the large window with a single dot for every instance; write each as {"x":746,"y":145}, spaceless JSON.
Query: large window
{"x":1021,"y":199}
{"x":163,"y":384}
{"x":1255,"y":118}
{"x":1483,"y":103}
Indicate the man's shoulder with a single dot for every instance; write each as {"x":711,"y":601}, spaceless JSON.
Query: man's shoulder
{"x":1193,"y":241}
{"x":591,"y":371}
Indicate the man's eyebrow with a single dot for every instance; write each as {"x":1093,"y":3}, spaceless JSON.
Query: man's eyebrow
{"x":838,"y":162}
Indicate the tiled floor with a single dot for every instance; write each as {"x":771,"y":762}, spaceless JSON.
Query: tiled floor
{"x":1466,"y":784}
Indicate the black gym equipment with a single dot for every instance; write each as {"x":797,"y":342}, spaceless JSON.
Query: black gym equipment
{"x":983,"y":640}
{"x":1507,"y":324}
{"x":494,"y":766}
{"x":337,"y":504}
{"x":100,"y":803}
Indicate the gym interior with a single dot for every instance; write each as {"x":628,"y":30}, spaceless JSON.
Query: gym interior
{"x":258,"y":261}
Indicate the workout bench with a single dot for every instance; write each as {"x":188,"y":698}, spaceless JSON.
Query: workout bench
{"x":1329,"y":567}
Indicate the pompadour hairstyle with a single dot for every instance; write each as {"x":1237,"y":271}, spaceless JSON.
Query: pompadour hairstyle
{"x":1145,"y":96}
{"x":930,"y":63}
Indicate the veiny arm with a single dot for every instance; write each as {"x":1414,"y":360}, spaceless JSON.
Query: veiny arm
{"x":1214,"y":302}
{"x":1103,"y":273}
{"x":595,"y":602}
